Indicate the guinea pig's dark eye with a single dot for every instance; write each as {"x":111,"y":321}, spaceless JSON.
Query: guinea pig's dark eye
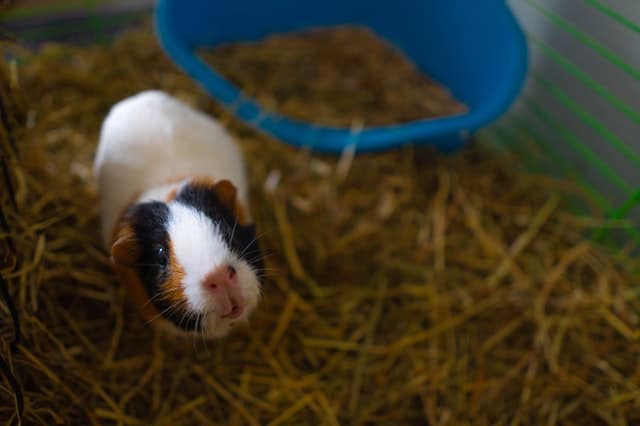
{"x":161,"y":253}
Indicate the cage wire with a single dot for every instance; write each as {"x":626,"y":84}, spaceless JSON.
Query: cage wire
{"x":579,"y":114}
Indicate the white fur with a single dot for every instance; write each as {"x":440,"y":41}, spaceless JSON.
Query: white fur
{"x":152,"y":138}
{"x":200,"y":250}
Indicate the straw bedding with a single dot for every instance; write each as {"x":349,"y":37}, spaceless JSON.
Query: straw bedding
{"x":403,"y":288}
{"x":322,"y":76}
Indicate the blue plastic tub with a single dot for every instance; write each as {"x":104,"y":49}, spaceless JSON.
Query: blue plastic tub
{"x":475,"y":48}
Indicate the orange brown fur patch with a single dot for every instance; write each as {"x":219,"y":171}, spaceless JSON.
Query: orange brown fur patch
{"x":227,"y":194}
{"x":124,"y":249}
{"x":171,"y":195}
{"x":172,"y":290}
{"x":124,"y":253}
{"x":130,"y":280}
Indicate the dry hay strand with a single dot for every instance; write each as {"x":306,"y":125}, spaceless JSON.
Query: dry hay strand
{"x":403,"y":287}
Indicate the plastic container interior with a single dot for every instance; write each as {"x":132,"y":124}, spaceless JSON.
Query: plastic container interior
{"x":474,"y":48}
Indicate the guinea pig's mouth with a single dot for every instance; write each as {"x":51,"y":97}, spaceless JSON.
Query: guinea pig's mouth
{"x":238,"y":312}
{"x":221,"y":312}
{"x":220,"y":298}
{"x":207,"y":322}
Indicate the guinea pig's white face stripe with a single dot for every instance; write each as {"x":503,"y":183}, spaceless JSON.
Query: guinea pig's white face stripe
{"x":198,"y":247}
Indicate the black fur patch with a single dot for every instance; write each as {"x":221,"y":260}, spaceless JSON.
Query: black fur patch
{"x":149,"y":221}
{"x":240,"y":239}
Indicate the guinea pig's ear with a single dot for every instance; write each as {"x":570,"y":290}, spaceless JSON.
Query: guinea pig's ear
{"x":124,"y":250}
{"x":226,"y":193}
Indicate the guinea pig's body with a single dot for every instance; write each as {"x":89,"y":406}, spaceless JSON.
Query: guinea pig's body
{"x":175,"y":214}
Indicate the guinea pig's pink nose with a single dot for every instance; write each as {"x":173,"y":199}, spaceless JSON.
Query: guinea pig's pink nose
{"x":222,"y":282}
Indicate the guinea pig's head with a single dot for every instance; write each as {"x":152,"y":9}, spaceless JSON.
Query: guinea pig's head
{"x":190,"y":259}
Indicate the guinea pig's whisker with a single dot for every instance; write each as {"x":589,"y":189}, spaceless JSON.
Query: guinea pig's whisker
{"x":164,"y":293}
{"x":138,"y":265}
{"x":264,"y":268}
{"x":233,"y":231}
{"x":158,"y":316}
{"x":151,"y":299}
{"x":194,"y":334}
{"x":188,"y":316}
{"x":265,"y":273}
{"x":256,"y":238}
{"x":202,"y":331}
{"x":266,"y":253}
{"x":170,"y":291}
{"x":259,"y":270}
{"x":256,"y":257}
{"x":154,"y":297}
{"x":249,"y":245}
{"x":167,"y":310}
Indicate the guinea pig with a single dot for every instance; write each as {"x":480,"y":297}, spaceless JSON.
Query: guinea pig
{"x":175,"y":215}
